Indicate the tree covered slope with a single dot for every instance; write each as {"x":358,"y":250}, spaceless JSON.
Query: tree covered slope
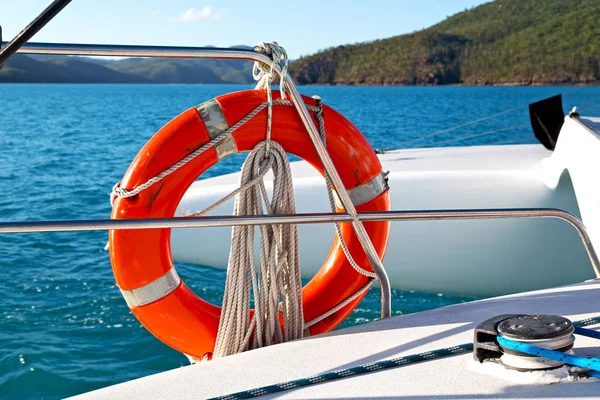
{"x":501,"y":42}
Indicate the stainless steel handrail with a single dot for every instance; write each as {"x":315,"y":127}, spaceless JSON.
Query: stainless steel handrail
{"x":209,"y":52}
{"x":112,"y":50}
{"x":311,"y":218}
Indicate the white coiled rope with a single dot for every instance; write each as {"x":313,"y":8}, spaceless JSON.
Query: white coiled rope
{"x":275,"y":286}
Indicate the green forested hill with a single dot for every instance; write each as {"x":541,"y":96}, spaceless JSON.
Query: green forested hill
{"x":502,"y":42}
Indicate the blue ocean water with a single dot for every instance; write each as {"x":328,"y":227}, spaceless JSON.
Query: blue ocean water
{"x":64,"y":328}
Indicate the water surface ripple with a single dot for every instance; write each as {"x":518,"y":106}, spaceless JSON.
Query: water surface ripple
{"x":64,"y":328}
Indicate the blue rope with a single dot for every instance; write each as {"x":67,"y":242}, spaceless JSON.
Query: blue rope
{"x":592,"y":363}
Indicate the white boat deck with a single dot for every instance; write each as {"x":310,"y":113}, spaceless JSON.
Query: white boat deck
{"x":446,"y":378}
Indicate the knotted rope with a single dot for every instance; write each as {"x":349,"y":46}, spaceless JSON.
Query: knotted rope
{"x":265,"y":74}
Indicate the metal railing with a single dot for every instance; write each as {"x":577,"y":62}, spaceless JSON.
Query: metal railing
{"x":307,"y":218}
{"x":350,"y":215}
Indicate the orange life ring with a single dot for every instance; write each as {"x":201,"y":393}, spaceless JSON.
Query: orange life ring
{"x":141,"y":259}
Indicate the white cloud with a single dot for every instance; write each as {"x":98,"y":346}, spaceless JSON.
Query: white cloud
{"x":205,"y":14}
{"x":155,"y":13}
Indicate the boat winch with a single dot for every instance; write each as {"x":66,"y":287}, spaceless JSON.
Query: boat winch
{"x":551,"y":332}
{"x":529,"y":343}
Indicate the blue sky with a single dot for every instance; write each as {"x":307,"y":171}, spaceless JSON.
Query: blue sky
{"x":302,"y":27}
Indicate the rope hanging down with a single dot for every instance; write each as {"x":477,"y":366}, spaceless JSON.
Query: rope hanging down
{"x":276,"y":286}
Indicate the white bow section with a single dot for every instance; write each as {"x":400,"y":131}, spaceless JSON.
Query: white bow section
{"x":577,"y":153}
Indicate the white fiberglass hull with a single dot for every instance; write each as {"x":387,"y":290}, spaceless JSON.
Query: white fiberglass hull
{"x":476,"y":257}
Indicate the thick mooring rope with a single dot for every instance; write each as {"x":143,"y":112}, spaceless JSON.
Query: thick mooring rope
{"x":276,"y":286}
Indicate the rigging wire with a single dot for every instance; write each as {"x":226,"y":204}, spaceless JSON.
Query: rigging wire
{"x":482,"y":134}
{"x":570,"y":91}
{"x":463,"y":125}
